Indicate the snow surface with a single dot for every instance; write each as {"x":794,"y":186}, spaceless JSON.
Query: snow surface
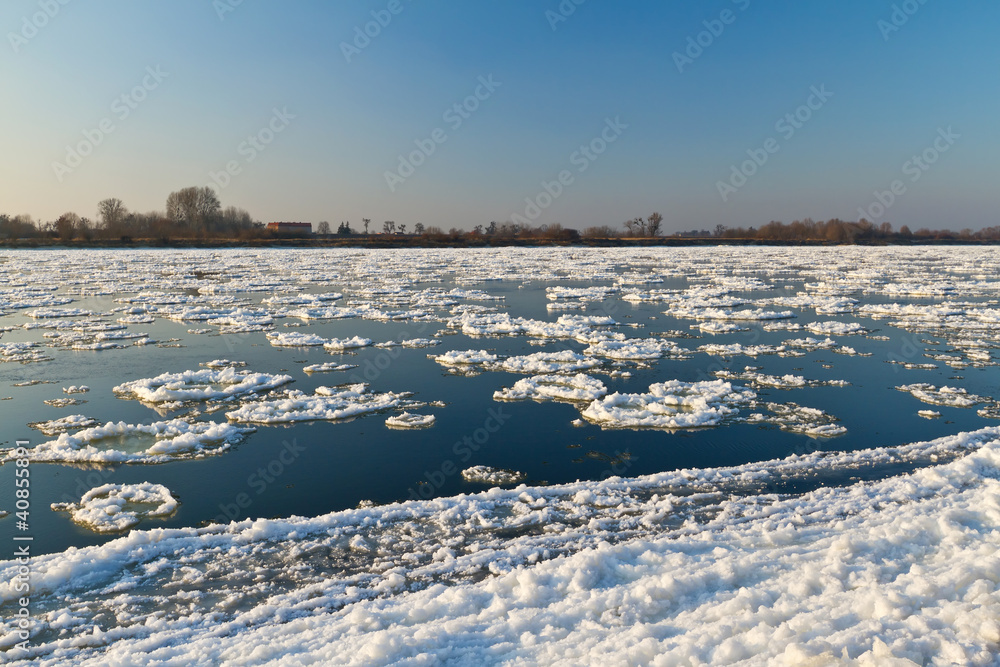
{"x":690,"y":567}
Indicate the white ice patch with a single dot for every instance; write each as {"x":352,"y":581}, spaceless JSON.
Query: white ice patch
{"x":464,"y":357}
{"x":328,"y":403}
{"x":199,"y":385}
{"x":574,"y":388}
{"x":798,"y":419}
{"x":669,"y":405}
{"x":341,"y":344}
{"x":634,"y":349}
{"x":565,"y":361}
{"x":295,"y":339}
{"x":63,"y":424}
{"x":120,"y":442}
{"x":955,"y":397}
{"x":410,"y":420}
{"x":328,"y":367}
{"x":834,"y":328}
{"x":492,"y":476}
{"x":113,"y":508}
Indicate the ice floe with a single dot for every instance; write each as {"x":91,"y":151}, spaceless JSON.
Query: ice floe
{"x":669,"y":405}
{"x":579,"y":387}
{"x":410,"y":420}
{"x":121,"y":442}
{"x":328,"y":403}
{"x":113,"y":508}
{"x":199,"y":385}
{"x":492,"y":476}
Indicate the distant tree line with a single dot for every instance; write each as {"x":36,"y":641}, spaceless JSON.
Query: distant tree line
{"x":191,"y":213}
{"x":842,"y":231}
{"x":196,"y":213}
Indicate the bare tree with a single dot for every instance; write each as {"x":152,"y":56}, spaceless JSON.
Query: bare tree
{"x":418,"y":228}
{"x":194,"y":206}
{"x":653,"y":224}
{"x":388,"y":227}
{"x":112,"y":213}
{"x":366,"y":221}
{"x":720,"y":230}
{"x":402,"y":228}
{"x":323,"y":227}
{"x":67,"y":226}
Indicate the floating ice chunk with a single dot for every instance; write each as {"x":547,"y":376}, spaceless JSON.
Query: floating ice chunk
{"x":951,"y":396}
{"x":929,"y":414}
{"x":798,"y":419}
{"x":719,"y":327}
{"x":580,"y":293}
{"x":836,"y":328}
{"x":137,"y":443}
{"x":463,"y":357}
{"x":74,"y":389}
{"x":565,"y":361}
{"x":62,"y":402}
{"x":63,"y":424}
{"x":577,"y":387}
{"x":114,"y":508}
{"x":340,"y":344}
{"x":223,"y":363}
{"x":408,"y":420}
{"x":566,"y":305}
{"x":811,"y":344}
{"x":734,"y":349}
{"x":634,"y":348}
{"x":776,"y":381}
{"x":45,"y":313}
{"x":328,"y":367}
{"x":295,"y":339}
{"x":669,"y":405}
{"x":420,"y":342}
{"x":199,"y":385}
{"x":328,"y":403}
{"x":492,"y":476}
{"x":728,"y":314}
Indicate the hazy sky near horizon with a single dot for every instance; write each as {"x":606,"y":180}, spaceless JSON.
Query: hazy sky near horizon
{"x":731,"y":112}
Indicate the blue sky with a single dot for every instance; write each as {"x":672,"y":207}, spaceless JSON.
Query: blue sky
{"x":311,"y":133}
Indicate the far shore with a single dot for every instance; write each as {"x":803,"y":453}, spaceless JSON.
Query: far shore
{"x":399,"y":241}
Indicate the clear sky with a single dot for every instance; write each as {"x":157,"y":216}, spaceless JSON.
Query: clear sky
{"x":135,"y":99}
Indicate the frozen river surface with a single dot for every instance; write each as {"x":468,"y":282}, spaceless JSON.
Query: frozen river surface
{"x":511,"y":455}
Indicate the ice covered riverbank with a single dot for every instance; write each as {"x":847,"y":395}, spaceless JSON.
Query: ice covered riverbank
{"x":718,"y":565}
